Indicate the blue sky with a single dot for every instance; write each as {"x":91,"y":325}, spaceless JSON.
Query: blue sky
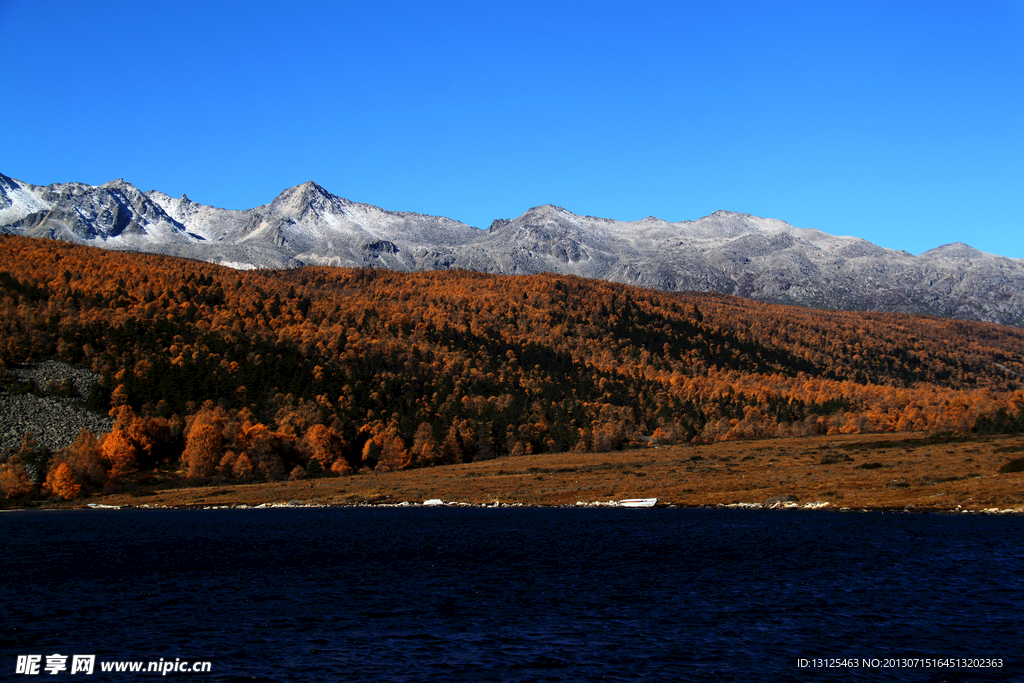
{"x":900,"y":122}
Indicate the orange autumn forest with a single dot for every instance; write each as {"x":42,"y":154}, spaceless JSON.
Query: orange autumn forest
{"x":226,"y":375}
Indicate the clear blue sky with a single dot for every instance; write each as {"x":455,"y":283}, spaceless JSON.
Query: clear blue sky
{"x":901,"y":122}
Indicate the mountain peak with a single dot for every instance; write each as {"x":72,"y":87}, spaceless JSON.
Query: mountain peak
{"x":550,"y":210}
{"x":956,"y":250}
{"x":312,"y":186}
{"x":304,"y":194}
{"x":723,"y":214}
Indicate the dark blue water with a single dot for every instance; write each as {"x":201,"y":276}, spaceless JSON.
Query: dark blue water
{"x":427,"y":594}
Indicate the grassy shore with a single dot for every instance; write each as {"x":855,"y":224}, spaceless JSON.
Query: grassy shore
{"x":874,"y":471}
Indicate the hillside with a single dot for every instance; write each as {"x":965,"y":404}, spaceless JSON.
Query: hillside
{"x":729,"y":253}
{"x":259,"y":375}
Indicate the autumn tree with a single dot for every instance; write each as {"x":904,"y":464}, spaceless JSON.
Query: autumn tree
{"x":84,"y":457}
{"x":425,"y":450}
{"x":202,"y":451}
{"x":394,"y":455}
{"x":62,"y":482}
{"x":371,"y":454}
{"x":119,"y":453}
{"x":14,"y":480}
{"x":242,"y":467}
{"x":324,"y":445}
{"x":451,"y":448}
{"x":260,"y":448}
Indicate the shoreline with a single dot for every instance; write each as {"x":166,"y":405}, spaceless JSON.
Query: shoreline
{"x":897,"y":472}
{"x":293,"y":505}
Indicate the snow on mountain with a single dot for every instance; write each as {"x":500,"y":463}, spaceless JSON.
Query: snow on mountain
{"x":17,"y":200}
{"x":115,"y":214}
{"x":733,"y":253}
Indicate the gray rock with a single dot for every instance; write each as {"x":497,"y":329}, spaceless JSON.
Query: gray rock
{"x":54,"y":421}
{"x":778,"y":501}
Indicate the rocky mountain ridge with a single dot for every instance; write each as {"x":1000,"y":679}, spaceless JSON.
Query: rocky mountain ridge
{"x":732,"y":253}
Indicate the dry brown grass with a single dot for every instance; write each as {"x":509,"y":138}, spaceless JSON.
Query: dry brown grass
{"x":857,"y":471}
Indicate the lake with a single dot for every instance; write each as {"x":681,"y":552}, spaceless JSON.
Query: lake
{"x":516,"y":594}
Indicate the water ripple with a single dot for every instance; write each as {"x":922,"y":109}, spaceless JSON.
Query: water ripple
{"x":514,"y":595}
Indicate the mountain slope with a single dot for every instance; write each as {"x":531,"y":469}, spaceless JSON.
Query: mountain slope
{"x":269,"y":374}
{"x":731,"y":253}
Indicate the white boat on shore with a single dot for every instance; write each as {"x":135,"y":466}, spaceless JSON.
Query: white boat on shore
{"x":638,"y":502}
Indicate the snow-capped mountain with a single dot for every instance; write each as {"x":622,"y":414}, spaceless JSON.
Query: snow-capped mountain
{"x":758,"y":258}
{"x":115,"y":212}
{"x":732,"y":253}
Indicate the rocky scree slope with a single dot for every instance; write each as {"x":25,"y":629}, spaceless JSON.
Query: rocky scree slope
{"x":46,"y":401}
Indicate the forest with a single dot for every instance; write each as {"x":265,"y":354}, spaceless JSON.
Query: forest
{"x":218,"y":374}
